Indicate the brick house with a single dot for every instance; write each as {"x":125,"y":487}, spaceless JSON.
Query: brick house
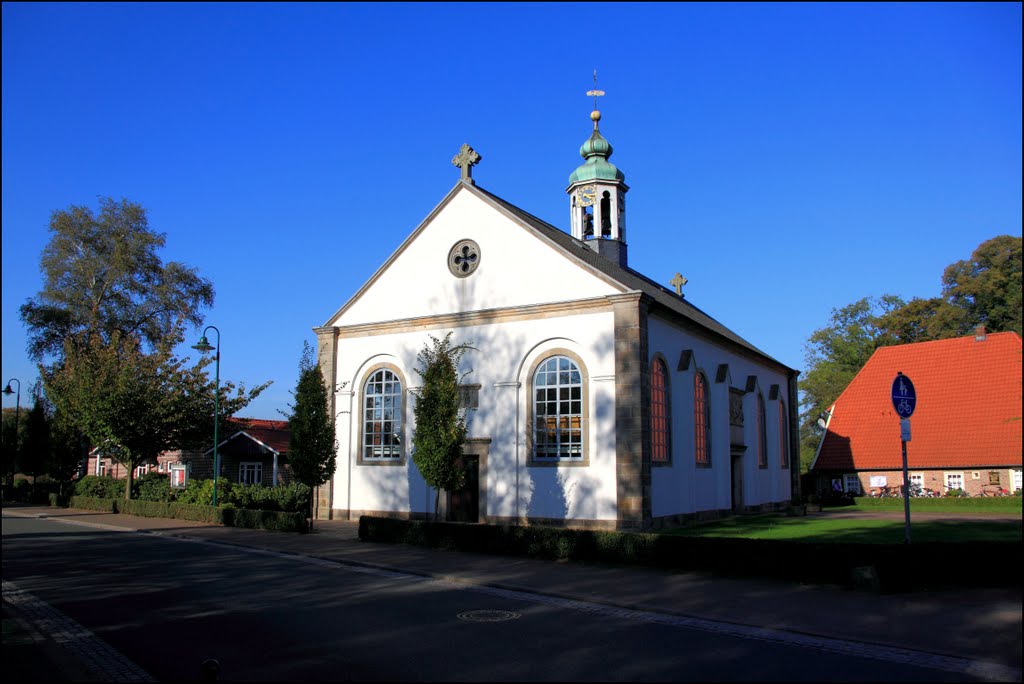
{"x":254,"y":451}
{"x":965,"y":430}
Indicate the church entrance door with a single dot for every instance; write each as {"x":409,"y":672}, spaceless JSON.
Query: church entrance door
{"x":737,"y":481}
{"x":464,"y":504}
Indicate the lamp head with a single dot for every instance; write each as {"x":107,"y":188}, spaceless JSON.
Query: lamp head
{"x":7,"y":390}
{"x":204,"y":345}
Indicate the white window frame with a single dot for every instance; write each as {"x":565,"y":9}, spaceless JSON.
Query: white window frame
{"x":1015,"y":479}
{"x":246,"y":467}
{"x":556,"y":396}
{"x":101,"y":467}
{"x":390,"y":405}
{"x":959,"y":474}
{"x":851,"y":479}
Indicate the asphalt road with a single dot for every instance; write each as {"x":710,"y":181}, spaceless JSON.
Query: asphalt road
{"x":162,"y":605}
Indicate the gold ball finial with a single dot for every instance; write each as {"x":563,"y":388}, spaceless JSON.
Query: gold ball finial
{"x":595,"y":116}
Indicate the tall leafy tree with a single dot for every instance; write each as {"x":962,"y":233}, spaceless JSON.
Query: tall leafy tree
{"x":312,"y":449}
{"x":440,"y":424}
{"x":37,"y":447}
{"x":835,"y":354}
{"x":133,"y":405}
{"x":987,"y":287}
{"x":102,"y":276}
{"x":982,"y":290}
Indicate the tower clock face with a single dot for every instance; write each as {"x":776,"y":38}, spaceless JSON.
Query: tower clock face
{"x":588,"y":195}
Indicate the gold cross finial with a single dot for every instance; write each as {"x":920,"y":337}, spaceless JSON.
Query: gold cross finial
{"x":677,"y":282}
{"x":466,"y":159}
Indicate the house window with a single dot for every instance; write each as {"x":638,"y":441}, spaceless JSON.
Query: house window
{"x":954,"y":481}
{"x":660,"y":415}
{"x":851,"y":483}
{"x":250,"y":472}
{"x":701,"y":420}
{"x":558,"y":410}
{"x":1016,"y":479}
{"x":762,"y":434}
{"x":783,"y":435}
{"x":101,"y":467}
{"x":382,"y":416}
{"x":141,"y":470}
{"x":993,"y":477}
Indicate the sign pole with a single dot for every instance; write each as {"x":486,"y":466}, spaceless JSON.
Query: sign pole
{"x":904,"y":400}
{"x":906,"y":486}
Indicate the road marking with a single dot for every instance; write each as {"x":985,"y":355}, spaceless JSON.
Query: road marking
{"x":99,"y":657}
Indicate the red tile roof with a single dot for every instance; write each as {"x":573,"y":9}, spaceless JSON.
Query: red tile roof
{"x":968,"y":411}
{"x":273,"y":433}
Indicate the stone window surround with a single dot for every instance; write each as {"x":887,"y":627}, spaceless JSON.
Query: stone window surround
{"x":762,"y":432}
{"x":361,"y":459}
{"x":584,"y":459}
{"x":783,"y":435}
{"x":656,"y":358}
{"x":701,"y":377}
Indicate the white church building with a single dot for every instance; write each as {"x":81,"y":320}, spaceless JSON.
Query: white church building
{"x":598,"y":398}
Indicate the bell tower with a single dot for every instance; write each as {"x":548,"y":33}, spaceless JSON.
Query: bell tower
{"x":597,"y":195}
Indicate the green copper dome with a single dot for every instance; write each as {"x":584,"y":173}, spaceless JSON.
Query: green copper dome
{"x":596,"y":151}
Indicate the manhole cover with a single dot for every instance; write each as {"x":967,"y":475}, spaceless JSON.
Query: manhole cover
{"x":488,"y":615}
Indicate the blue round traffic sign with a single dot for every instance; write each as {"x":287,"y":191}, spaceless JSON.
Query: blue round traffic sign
{"x":904,"y":398}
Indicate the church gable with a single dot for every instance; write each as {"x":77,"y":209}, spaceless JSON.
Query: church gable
{"x":471,"y":255}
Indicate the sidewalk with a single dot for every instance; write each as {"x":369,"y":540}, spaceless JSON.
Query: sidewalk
{"x":981,"y":624}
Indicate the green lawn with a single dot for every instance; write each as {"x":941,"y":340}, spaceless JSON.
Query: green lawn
{"x":823,"y":528}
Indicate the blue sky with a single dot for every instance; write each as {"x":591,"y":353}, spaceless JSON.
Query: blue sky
{"x":787,"y":159}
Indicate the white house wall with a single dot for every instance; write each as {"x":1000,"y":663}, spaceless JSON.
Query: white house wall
{"x":681,"y":487}
{"x":515,"y":269}
{"x":502,"y":356}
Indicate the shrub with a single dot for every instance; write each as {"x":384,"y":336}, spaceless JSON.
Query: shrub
{"x":153,"y":487}
{"x":200,"y":492}
{"x":100,"y":487}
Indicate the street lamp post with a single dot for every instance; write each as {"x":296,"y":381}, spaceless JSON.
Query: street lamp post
{"x":204,"y":346}
{"x":17,"y":409}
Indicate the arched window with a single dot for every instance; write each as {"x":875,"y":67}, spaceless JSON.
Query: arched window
{"x":702,"y":419}
{"x":660,"y":415}
{"x":762,"y":434}
{"x":783,"y":435}
{"x":558,"y":410}
{"x":382,"y":416}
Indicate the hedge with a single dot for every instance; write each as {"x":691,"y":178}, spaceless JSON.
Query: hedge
{"x":228,"y":516}
{"x":880,"y":566}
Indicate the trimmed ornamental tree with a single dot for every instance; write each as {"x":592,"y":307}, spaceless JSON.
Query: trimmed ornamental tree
{"x":312,"y":448}
{"x":440,"y":424}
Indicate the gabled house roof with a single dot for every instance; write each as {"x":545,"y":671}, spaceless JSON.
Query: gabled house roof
{"x":273,"y":435}
{"x":968,"y":411}
{"x":625,"y":278}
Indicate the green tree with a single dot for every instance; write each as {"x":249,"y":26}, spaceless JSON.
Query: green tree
{"x":13,"y":436}
{"x":987,"y":287}
{"x":37,"y":447}
{"x":440,"y":424}
{"x":134,"y":405}
{"x":312,"y":449}
{"x":102,"y":276}
{"x":834,"y":355}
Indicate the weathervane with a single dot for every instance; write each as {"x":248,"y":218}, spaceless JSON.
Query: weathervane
{"x":595,"y":93}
